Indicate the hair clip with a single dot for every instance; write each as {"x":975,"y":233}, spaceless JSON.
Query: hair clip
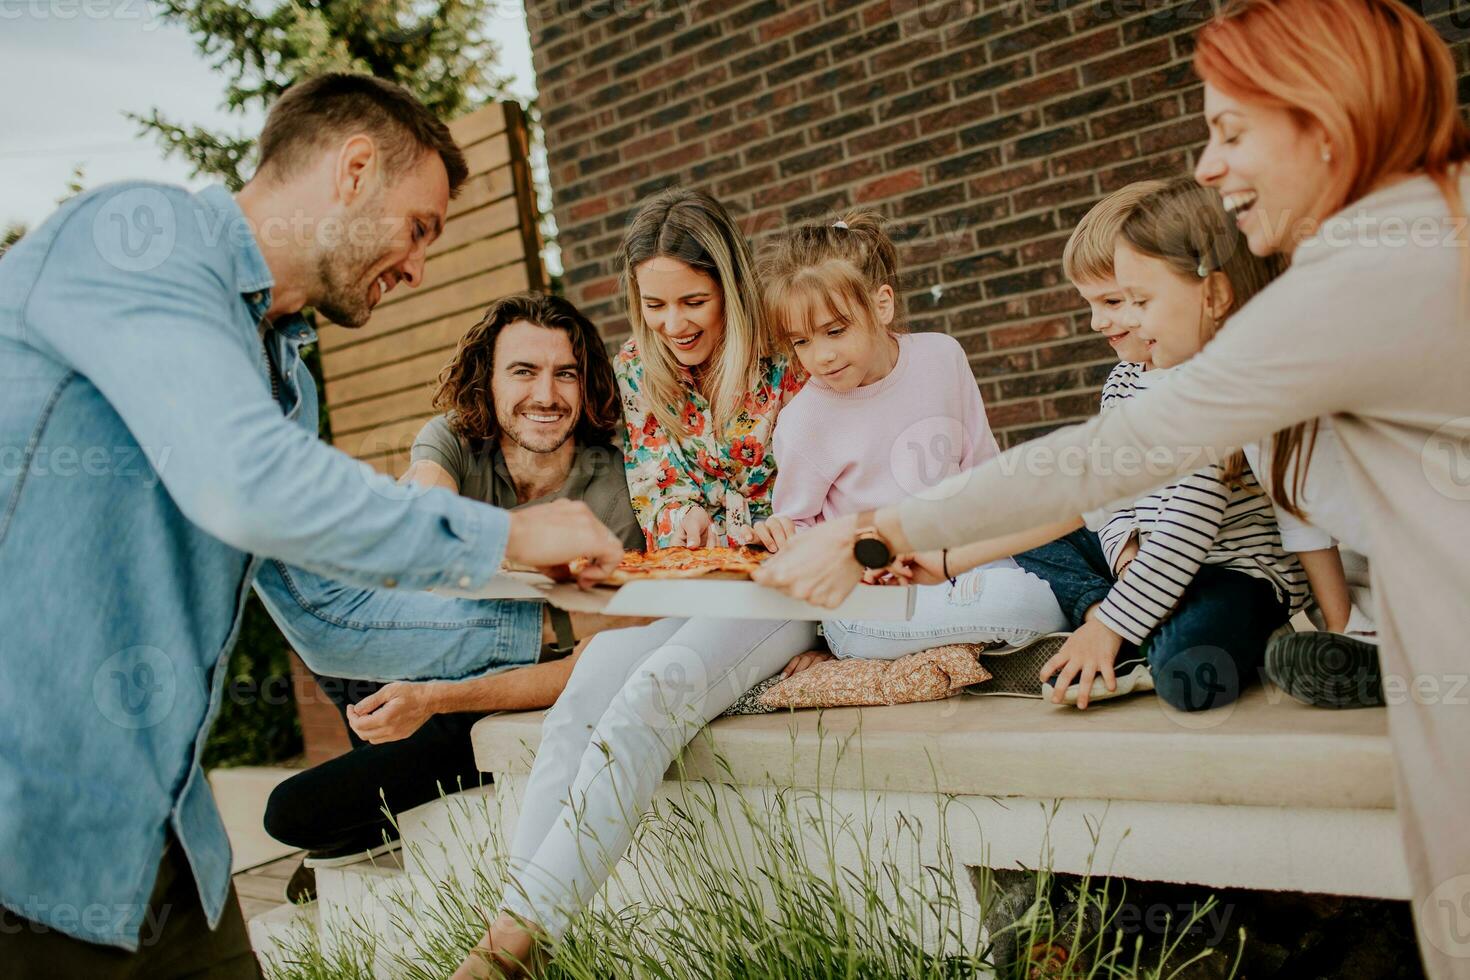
{"x":840,"y":224}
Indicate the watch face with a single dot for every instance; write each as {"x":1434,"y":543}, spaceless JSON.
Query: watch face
{"x":871,"y":553}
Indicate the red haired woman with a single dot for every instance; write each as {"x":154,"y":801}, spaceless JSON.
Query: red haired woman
{"x":1335,"y":138}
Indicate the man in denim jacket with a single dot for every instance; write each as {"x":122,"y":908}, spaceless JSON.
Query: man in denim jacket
{"x":157,"y":443}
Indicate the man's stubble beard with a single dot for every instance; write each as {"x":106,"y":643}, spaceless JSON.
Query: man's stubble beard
{"x":539,"y":450}
{"x":343,"y":273}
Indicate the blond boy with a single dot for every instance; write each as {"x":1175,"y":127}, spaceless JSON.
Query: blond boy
{"x":1088,"y":264}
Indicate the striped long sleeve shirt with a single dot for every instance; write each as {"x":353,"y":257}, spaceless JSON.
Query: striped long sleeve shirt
{"x":1196,"y":521}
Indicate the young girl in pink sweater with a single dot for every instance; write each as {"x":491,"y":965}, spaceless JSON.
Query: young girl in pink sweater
{"x":886,"y":414}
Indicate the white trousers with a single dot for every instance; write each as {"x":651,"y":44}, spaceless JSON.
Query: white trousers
{"x":995,"y":603}
{"x":634,"y":700}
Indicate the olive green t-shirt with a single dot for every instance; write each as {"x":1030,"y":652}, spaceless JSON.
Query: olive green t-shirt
{"x":597,"y":478}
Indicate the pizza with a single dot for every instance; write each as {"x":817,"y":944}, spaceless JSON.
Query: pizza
{"x":673,"y":563}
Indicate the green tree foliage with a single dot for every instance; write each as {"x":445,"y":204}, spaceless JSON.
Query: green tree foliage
{"x":442,"y":52}
{"x":11,"y":235}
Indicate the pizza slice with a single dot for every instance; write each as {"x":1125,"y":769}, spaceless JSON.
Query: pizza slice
{"x":682,"y":563}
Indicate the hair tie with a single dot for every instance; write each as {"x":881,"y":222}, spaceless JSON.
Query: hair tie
{"x":840,"y":224}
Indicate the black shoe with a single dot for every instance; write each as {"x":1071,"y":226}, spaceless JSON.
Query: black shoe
{"x":302,"y":886}
{"x":1326,"y":670}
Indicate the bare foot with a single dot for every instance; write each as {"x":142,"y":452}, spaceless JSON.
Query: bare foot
{"x":508,"y":951}
{"x":802,"y":661}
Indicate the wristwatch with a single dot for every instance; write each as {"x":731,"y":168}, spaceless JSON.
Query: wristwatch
{"x":869,"y":548}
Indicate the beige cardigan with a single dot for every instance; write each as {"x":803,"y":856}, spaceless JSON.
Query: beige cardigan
{"x":1369,"y":327}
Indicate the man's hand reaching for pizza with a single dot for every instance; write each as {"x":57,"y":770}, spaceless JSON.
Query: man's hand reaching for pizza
{"x":554,"y":534}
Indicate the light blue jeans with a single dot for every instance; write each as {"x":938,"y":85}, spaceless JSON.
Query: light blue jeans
{"x":634,"y":700}
{"x":995,"y":603}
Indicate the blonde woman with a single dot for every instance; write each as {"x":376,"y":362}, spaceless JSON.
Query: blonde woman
{"x":701,"y":392}
{"x":700,"y":384}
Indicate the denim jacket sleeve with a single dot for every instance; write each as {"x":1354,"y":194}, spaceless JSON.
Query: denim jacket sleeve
{"x":165,"y":344}
{"x":385,"y":634}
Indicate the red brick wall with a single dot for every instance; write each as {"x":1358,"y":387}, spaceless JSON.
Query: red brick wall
{"x":983,"y":130}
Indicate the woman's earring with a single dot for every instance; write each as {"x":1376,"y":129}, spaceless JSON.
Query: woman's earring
{"x":1326,"y":154}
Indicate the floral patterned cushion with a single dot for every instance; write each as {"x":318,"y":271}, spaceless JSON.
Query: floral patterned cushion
{"x":928,"y":675}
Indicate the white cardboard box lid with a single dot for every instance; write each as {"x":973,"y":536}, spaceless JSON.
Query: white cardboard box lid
{"x":717,"y":598}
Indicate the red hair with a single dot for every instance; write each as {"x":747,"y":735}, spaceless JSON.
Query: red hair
{"x":1377,"y":79}
{"x":1381,"y":84}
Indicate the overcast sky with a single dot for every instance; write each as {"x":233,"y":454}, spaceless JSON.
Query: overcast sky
{"x":71,"y":68}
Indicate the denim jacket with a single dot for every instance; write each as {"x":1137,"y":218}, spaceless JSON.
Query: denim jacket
{"x":157,"y":444}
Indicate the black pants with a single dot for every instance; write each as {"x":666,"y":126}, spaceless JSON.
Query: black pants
{"x":338,"y":805}
{"x":1211,"y":647}
{"x":176,"y":941}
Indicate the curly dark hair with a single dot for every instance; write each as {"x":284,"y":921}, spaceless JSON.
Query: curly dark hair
{"x":464,"y":392}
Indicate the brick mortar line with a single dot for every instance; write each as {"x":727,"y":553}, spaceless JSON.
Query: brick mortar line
{"x":997,"y":114}
{"x":944,"y":48}
{"x":970,"y":199}
{"x":1001,"y":144}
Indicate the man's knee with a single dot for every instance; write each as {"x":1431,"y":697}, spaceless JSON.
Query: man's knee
{"x":293,"y":811}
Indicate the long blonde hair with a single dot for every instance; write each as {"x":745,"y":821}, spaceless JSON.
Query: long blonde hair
{"x":846,"y":259}
{"x":695,"y":229}
{"x":1186,"y":227}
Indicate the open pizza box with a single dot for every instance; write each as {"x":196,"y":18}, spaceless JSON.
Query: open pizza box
{"x":712,"y":597}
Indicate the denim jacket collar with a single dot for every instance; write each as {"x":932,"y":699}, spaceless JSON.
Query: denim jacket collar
{"x":252,"y":274}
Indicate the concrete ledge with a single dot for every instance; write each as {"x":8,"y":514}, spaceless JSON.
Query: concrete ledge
{"x":1265,"y":750}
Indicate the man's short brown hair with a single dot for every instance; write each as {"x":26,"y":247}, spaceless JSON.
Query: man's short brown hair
{"x":1088,"y":256}
{"x":312,"y":113}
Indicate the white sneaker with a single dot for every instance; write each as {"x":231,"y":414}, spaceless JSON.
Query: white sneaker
{"x":1132,"y":674}
{"x":336,"y":860}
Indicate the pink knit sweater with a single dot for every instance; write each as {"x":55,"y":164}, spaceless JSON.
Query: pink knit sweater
{"x":840,"y":453}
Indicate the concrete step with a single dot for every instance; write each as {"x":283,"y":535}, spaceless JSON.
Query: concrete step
{"x":277,"y":935}
{"x":373,"y":913}
{"x":1263,"y":750}
{"x":455,"y":834}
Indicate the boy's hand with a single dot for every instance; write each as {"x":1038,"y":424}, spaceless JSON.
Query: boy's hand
{"x":774,"y":533}
{"x":1088,"y":652}
{"x":802,"y":661}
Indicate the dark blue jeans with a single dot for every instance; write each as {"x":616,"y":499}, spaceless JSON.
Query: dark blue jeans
{"x":1209,"y":649}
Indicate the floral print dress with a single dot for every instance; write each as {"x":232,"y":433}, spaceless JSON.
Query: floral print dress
{"x":730,"y":474}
